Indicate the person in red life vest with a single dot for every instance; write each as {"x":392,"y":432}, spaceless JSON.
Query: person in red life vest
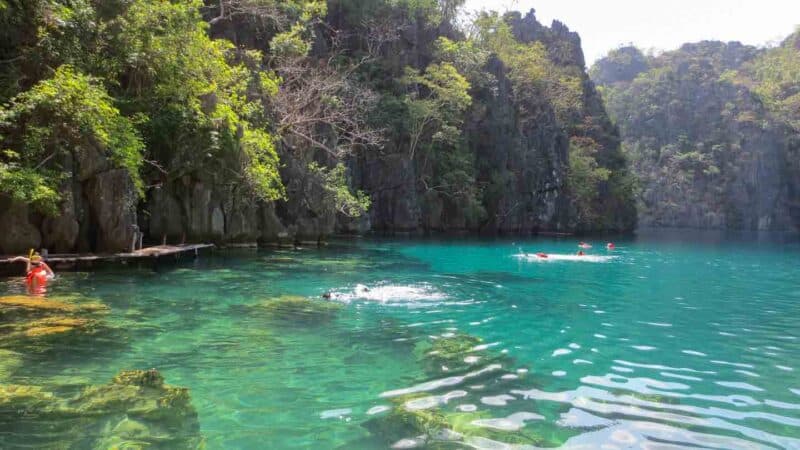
{"x":580,"y":253}
{"x":37,"y":272}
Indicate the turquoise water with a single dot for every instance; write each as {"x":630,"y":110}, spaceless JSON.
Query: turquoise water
{"x":658,"y":344}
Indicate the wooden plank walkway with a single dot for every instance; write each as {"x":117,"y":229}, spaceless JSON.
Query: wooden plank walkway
{"x":154,"y":252}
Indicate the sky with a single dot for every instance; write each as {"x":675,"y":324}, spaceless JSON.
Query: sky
{"x":659,"y":25}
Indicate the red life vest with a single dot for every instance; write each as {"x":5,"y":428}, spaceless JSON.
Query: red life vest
{"x":37,"y":275}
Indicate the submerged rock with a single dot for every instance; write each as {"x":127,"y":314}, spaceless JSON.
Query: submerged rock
{"x":401,"y":422}
{"x":45,"y":305}
{"x":454,"y":353}
{"x":297,"y":308}
{"x":135,"y":410}
{"x":9,"y":363}
{"x":24,"y":317}
{"x":433,"y":428}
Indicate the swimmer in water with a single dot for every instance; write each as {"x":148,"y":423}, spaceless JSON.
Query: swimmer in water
{"x":580,"y":253}
{"x":37,"y":272}
{"x":610,"y":246}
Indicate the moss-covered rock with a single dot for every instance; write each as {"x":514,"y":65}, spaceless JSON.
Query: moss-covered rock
{"x":45,"y":305}
{"x":26,"y":318}
{"x":402,"y":422}
{"x":135,"y":410}
{"x":22,"y":399}
{"x":457,"y":353}
{"x":148,"y":378}
{"x":473,"y":424}
{"x":652,"y":397}
{"x":297,"y":308}
{"x":438,"y":429}
{"x":9,"y":363}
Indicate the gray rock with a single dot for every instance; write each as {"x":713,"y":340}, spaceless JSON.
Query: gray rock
{"x":112,"y":200}
{"x":18,"y":234}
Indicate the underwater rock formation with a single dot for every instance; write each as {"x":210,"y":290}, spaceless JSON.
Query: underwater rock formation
{"x":135,"y":410}
{"x":418,"y":417}
{"x":23,"y":317}
{"x":297,"y":308}
{"x":456,"y":353}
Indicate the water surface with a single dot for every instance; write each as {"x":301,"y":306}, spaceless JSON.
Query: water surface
{"x":658,"y":344}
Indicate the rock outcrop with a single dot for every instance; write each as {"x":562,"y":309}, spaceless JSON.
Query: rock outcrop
{"x":135,"y":410}
{"x":708,"y":151}
{"x":519,"y":148}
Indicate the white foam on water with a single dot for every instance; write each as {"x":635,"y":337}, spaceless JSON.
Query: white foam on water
{"x":553,"y":257}
{"x":391,"y":293}
{"x":335,"y":413}
{"x":377,"y":409}
{"x":514,"y":422}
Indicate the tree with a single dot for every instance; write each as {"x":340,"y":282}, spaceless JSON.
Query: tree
{"x":436,"y":104}
{"x":64,"y":115}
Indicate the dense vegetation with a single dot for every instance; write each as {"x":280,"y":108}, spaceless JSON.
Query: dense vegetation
{"x":711,"y":131}
{"x":250,"y":102}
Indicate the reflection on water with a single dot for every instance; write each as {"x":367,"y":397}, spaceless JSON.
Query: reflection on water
{"x":437,"y":344}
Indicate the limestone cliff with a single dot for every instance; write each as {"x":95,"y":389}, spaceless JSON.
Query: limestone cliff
{"x":706,"y":146}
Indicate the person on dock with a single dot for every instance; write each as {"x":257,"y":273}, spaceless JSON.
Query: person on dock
{"x":37,"y":271}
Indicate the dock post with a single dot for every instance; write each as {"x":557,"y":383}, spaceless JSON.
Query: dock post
{"x":135,"y":236}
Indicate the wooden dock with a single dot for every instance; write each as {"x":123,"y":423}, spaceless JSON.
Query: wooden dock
{"x":155,"y":253}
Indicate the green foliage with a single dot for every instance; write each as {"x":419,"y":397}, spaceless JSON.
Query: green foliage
{"x":776,"y":75}
{"x":291,"y":44}
{"x":694,"y":123}
{"x":26,"y":185}
{"x":584,"y":177}
{"x":141,"y":72}
{"x":262,"y":161}
{"x":197,"y":101}
{"x":467,"y":57}
{"x":530,"y":69}
{"x":66,"y":114}
{"x":436,"y":104}
{"x":334,"y":182}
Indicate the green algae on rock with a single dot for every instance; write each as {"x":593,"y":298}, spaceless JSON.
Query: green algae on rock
{"x":135,"y":410}
{"x":454,"y":353}
{"x":402,"y":422}
{"x":9,"y":363}
{"x":297,"y":308}
{"x":24,"y":318}
{"x":434,"y":428}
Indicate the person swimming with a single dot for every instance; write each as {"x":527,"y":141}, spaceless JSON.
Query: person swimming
{"x":610,"y":246}
{"x":37,"y":272}
{"x":580,"y":253}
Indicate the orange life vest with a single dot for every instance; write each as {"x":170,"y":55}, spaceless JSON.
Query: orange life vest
{"x":37,"y":275}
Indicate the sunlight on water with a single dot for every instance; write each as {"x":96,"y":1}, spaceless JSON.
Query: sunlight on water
{"x":445,"y":344}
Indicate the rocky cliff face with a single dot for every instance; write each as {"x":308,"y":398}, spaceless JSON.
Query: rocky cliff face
{"x":707,"y":151}
{"x":519,"y":148}
{"x":98,"y":211}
